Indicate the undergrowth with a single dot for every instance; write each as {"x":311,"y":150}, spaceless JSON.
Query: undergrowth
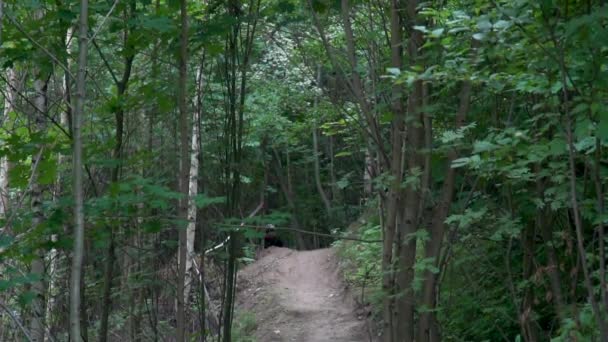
{"x":361,"y":263}
{"x":243,"y":327}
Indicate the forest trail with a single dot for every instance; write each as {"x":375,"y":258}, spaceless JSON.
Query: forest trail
{"x":299,"y":296}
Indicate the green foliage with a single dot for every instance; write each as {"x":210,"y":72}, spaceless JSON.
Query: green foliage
{"x":535,"y":68}
{"x":244,"y":325}
{"x":361,"y":263}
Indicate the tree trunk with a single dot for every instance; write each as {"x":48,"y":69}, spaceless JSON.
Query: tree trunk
{"x":322,"y":193}
{"x":525,"y":320}
{"x":37,"y":324}
{"x":428,"y":329}
{"x":122,"y":86}
{"x":602,"y":324}
{"x":10,"y":96}
{"x":315,"y":151}
{"x":55,"y":304}
{"x":599,"y":193}
{"x":285,"y":183}
{"x":230,"y":287}
{"x":394,"y":200}
{"x":407,"y":221}
{"x":192,"y":210}
{"x":77,"y":160}
{"x":544,"y":226}
{"x":184,"y":170}
{"x":367,"y":176}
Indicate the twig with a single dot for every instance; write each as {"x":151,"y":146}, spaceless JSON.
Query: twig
{"x":48,"y":117}
{"x":103,"y":21}
{"x":29,"y":184}
{"x":303,"y":232}
{"x":12,"y":316}
{"x":35,"y":42}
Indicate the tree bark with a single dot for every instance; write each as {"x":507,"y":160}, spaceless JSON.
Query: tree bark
{"x":53,"y":303}
{"x":192,"y":209}
{"x":184,"y":170}
{"x":285,"y":183}
{"x":428,"y":329}
{"x":544,"y":226}
{"x":9,"y":105}
{"x":77,"y":160}
{"x":315,"y":151}
{"x":37,"y":323}
{"x":599,"y":193}
{"x":407,"y":224}
{"x":122,"y":86}
{"x":230,"y":287}
{"x":578,"y":223}
{"x":394,"y":200}
{"x":322,"y":193}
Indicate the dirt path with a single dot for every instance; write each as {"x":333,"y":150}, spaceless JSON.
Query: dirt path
{"x":299,"y":296}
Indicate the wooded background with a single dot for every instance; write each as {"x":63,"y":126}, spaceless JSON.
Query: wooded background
{"x":468,"y":136}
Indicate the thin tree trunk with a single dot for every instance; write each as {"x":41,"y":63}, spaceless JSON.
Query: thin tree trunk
{"x":37,"y":324}
{"x":545,"y":229}
{"x":315,"y":151}
{"x":367,"y":176}
{"x":192,"y":210}
{"x":407,"y":224}
{"x":184,"y":171}
{"x":428,"y":329}
{"x":394,"y":199}
{"x":230,"y":287}
{"x":10,"y":95}
{"x":54,"y":304}
{"x":332,"y":172}
{"x":578,"y":226}
{"x":322,"y":193}
{"x":285,"y":183}
{"x":119,"y":113}
{"x":578,"y":223}
{"x":599,"y":193}
{"x":77,"y":257}
{"x":38,"y":265}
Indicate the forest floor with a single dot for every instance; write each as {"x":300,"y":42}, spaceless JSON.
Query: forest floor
{"x":299,"y":296}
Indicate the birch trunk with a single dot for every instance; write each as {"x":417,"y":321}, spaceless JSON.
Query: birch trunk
{"x":183,"y":171}
{"x":53,"y":256}
{"x":9,"y":106}
{"x":192,"y":210}
{"x":37,"y":323}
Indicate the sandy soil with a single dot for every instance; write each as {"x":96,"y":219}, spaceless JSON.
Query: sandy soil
{"x":299,"y":296}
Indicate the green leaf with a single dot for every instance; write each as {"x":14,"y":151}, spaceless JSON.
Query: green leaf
{"x":319,"y":6}
{"x":202,"y":200}
{"x":437,"y":32}
{"x":342,"y":183}
{"x":557,"y":146}
{"x":602,"y":127}
{"x":160,"y":24}
{"x":460,"y":162}
{"x":484,"y":25}
{"x":343,"y":154}
{"x":394,"y":71}
{"x":47,"y":172}
{"x":420,"y":28}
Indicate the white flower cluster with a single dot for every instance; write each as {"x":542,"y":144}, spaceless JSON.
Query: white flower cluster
{"x":279,"y":63}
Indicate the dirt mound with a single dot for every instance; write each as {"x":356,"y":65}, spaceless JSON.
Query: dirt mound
{"x":299,"y":296}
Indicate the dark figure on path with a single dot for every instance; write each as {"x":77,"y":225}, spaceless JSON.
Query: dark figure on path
{"x":271,"y":239}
